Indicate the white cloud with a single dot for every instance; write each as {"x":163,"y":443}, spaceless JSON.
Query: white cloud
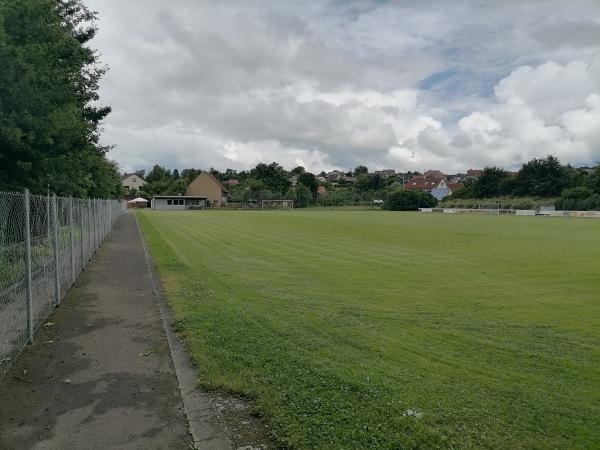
{"x":250,"y":154}
{"x":549,"y":88}
{"x":413,"y":85}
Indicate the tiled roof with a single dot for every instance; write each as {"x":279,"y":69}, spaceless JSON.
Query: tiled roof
{"x":455,"y":186}
{"x":419,"y":182}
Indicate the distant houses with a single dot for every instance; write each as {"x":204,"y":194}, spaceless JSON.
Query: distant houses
{"x":337,"y":176}
{"x":334,"y":176}
{"x":434,"y":182}
{"x":206,"y":190}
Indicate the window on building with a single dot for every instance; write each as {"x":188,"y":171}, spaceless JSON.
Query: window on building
{"x":169,"y":202}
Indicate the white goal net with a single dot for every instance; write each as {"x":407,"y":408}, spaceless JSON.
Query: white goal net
{"x":277,"y":204}
{"x":491,"y":207}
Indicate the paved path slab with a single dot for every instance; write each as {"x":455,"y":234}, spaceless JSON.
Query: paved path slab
{"x":100,"y":374}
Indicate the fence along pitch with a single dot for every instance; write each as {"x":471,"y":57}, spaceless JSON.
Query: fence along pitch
{"x":38,"y":250}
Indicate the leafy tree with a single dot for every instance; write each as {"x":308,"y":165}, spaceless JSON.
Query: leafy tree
{"x":189,"y":175}
{"x":303,"y":196}
{"x":376,"y":182}
{"x":309,"y":180}
{"x":360,"y":170}
{"x":49,"y":115}
{"x":543,"y":177}
{"x":408,"y":200}
{"x":272,"y":175}
{"x":507,"y":185}
{"x":594,"y":181}
{"x":175,"y":174}
{"x":488,"y":184}
{"x":579,"y":198}
{"x":158,"y":173}
{"x":364,"y":183}
{"x":297,"y":170}
{"x":577,"y":193}
{"x":216,"y":173}
{"x":165,"y":186}
{"x":466,"y":191}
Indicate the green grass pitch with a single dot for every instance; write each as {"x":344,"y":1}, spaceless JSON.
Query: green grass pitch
{"x":372,"y":329}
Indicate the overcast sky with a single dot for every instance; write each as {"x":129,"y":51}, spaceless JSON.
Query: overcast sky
{"x":333,"y":84}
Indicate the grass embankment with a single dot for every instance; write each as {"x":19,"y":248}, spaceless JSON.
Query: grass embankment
{"x":392,"y":330}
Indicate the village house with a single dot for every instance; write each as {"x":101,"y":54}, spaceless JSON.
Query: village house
{"x":473,"y":174}
{"x":334,"y":176}
{"x":422,"y":183}
{"x":132,"y":181}
{"x":433,"y":182}
{"x":434,"y":174}
{"x":386,"y":172}
{"x":208,"y":186}
{"x":444,"y":189}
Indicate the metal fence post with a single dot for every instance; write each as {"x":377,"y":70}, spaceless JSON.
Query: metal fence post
{"x":94,"y":225}
{"x":71,"y":241}
{"x":97,"y":224}
{"x":55,"y":239}
{"x":88,"y":204}
{"x":97,"y":221}
{"x":48,"y":216}
{"x":81,"y":239}
{"x":28,"y":263}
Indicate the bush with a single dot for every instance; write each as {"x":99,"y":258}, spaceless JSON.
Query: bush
{"x":577,"y":193}
{"x":409,"y":201}
{"x":578,"y":199}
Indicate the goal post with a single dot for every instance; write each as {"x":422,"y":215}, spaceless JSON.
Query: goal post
{"x":491,"y":207}
{"x":277,"y":204}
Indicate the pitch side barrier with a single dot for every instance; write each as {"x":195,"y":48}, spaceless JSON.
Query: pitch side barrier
{"x":513,"y":212}
{"x":45,"y":241}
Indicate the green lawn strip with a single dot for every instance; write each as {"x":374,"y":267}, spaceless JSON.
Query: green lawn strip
{"x":391,"y":330}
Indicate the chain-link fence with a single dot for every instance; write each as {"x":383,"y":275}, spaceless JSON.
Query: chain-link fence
{"x":45,"y":241}
{"x":305,"y":198}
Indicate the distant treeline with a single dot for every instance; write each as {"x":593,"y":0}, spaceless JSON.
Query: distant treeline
{"x":539,"y":178}
{"x":575,"y":189}
{"x":49,"y":115}
{"x":271,"y":181}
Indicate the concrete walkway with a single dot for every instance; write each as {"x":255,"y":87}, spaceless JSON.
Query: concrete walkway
{"x":100,"y":373}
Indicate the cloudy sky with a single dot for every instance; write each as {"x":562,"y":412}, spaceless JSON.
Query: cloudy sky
{"x":333,"y":84}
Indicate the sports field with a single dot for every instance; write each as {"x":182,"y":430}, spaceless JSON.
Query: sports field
{"x":373,"y":329}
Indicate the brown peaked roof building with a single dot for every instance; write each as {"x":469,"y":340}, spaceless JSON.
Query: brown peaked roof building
{"x":209,"y":186}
